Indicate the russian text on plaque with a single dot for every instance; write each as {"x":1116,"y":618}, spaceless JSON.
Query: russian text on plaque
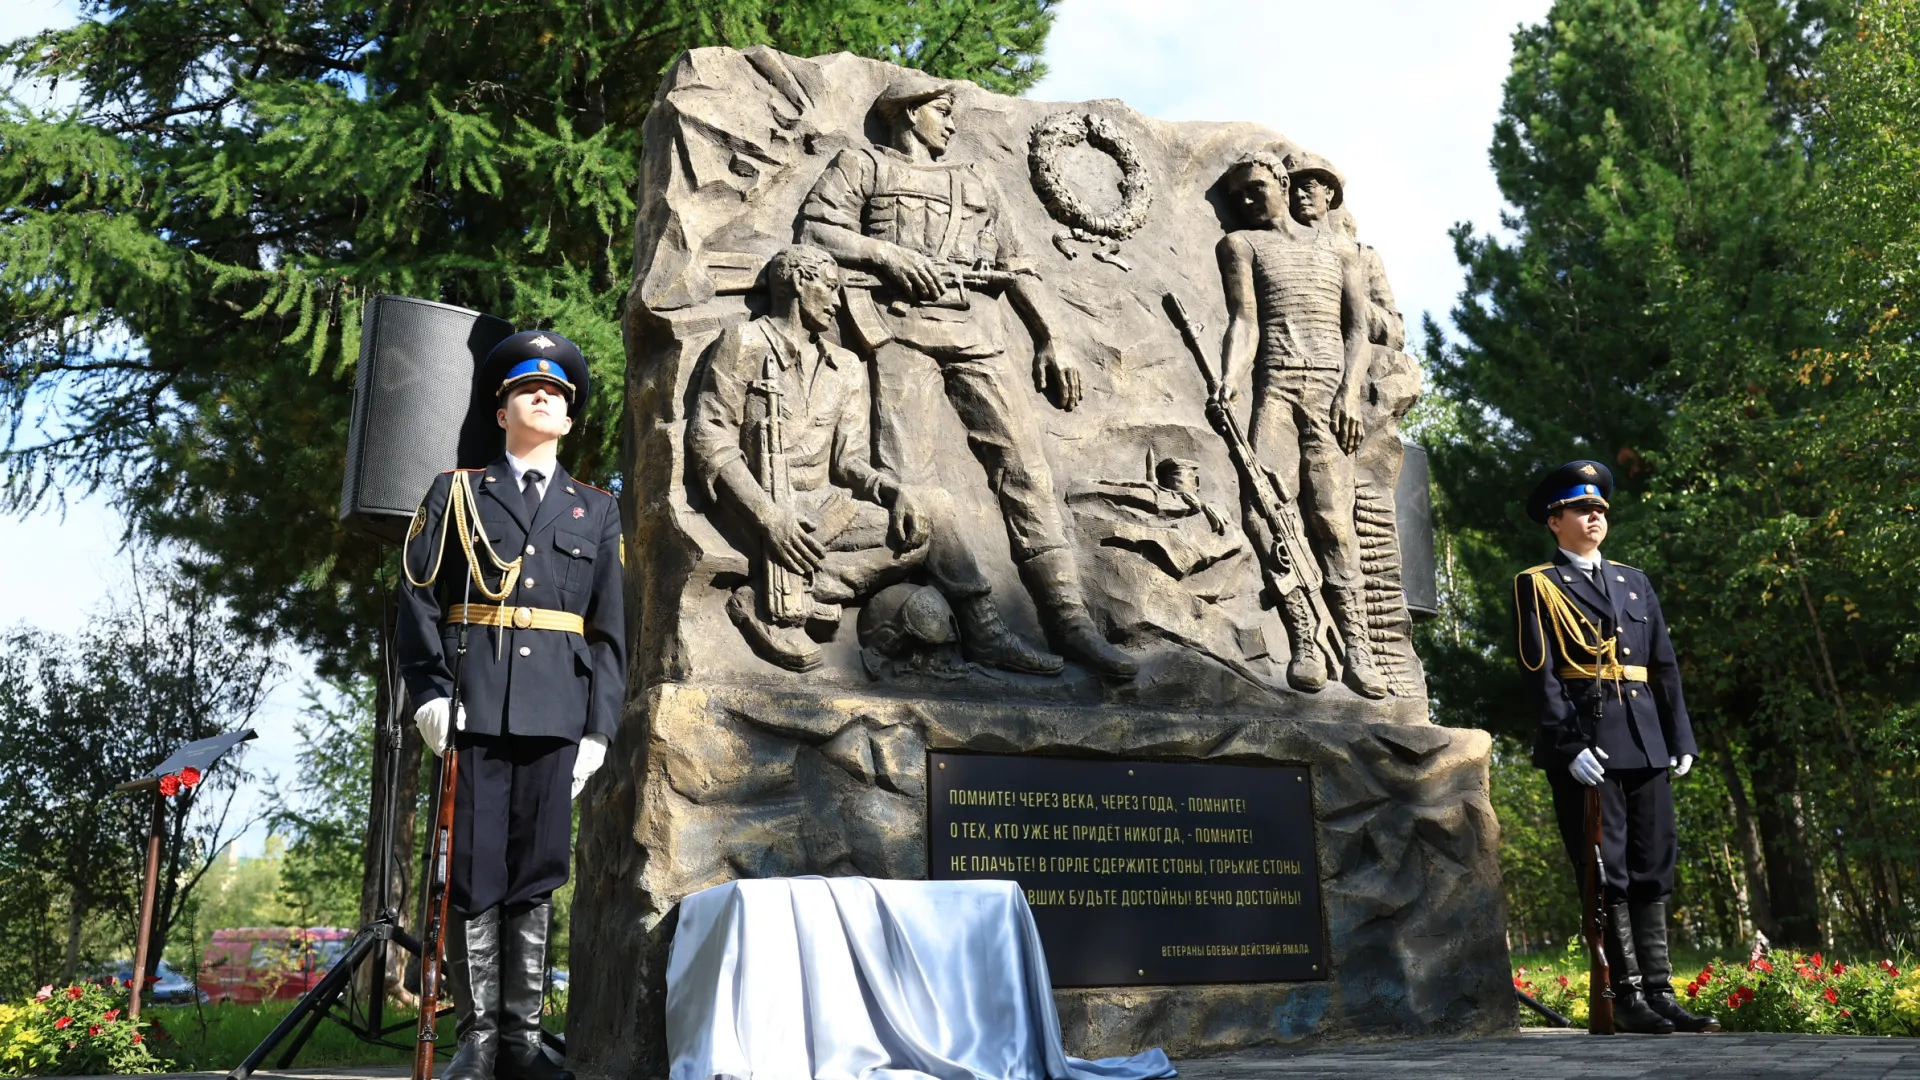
{"x":1141,"y":872}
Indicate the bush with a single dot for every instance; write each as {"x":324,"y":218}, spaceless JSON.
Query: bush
{"x":76,"y":1031}
{"x":1782,"y":992}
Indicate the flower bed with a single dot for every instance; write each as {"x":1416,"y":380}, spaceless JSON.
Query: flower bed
{"x":76,"y":1031}
{"x":1781,"y":991}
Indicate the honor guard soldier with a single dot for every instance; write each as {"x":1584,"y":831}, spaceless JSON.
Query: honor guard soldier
{"x":1600,"y":669}
{"x":526,"y":560}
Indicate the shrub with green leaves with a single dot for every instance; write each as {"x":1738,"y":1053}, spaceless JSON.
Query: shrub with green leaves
{"x":76,"y":1031}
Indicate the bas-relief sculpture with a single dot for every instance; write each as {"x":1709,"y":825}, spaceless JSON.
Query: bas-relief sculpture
{"x":969,"y":422}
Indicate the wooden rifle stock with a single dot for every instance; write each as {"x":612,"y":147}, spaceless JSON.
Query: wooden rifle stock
{"x":433,"y":937}
{"x":1594,"y":904}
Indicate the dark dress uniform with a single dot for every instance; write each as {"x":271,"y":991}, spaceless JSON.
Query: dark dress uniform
{"x":1600,"y":633}
{"x":544,"y":667}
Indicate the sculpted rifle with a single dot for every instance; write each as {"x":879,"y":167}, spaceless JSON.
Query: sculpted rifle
{"x":789,"y":595}
{"x":1291,"y":564}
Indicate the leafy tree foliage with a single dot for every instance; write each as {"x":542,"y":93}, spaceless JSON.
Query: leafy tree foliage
{"x":80,"y":716}
{"x":184,"y":253}
{"x":322,"y":808}
{"x":1709,"y":287}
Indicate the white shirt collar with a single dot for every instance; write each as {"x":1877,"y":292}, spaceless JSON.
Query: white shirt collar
{"x":519,"y":470}
{"x":1585,"y":564}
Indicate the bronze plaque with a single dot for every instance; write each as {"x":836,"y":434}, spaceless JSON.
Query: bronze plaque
{"x":1141,"y":872}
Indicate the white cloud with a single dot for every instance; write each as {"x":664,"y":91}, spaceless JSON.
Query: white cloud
{"x":1400,"y":94}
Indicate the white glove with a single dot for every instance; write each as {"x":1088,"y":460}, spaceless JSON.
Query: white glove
{"x":1587,"y":768}
{"x":587,"y":761}
{"x":1681,"y":765}
{"x":431,"y":719}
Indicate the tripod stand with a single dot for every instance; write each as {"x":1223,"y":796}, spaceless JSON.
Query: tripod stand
{"x":325,"y":999}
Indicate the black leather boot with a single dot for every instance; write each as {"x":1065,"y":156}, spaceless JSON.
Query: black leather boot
{"x":1656,"y":968}
{"x":523,"y":978}
{"x":473,"y":970}
{"x":1630,"y":1009}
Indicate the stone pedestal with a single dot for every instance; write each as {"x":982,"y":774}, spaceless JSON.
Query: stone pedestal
{"x":1015,"y":451}
{"x":747,"y":782}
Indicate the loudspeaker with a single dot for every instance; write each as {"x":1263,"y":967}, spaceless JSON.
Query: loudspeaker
{"x":1413,"y":510}
{"x":416,"y":409}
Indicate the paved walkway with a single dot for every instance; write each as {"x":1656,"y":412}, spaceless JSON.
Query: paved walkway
{"x":1535,"y":1054}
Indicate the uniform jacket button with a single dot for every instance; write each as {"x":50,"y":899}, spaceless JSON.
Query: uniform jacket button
{"x":1624,"y":651}
{"x":576,"y":551}
{"x":529,"y":584}
{"x":530,"y":549}
{"x":524,"y":651}
{"x":1636,"y":693}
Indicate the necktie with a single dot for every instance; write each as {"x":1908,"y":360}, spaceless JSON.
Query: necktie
{"x":1599,"y":576}
{"x":531,"y":493}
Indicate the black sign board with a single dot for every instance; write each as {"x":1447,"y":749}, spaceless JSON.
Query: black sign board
{"x":1140,"y":872}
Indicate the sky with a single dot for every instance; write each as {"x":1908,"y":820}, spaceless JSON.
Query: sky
{"x":1401,"y":95}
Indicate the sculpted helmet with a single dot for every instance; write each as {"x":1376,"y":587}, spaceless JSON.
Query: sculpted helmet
{"x":1304,"y":163}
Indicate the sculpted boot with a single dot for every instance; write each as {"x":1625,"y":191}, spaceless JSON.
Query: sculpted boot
{"x":987,"y":640}
{"x":1350,"y":612}
{"x":1308,"y":668}
{"x":1630,"y":1009}
{"x":1055,"y":582}
{"x":523,"y":976}
{"x":473,"y":969}
{"x":1656,"y":968}
{"x":788,"y":646}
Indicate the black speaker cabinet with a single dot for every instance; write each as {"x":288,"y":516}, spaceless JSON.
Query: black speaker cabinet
{"x":416,"y":409}
{"x":1413,"y":509}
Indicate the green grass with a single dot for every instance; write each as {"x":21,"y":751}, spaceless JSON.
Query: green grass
{"x":215,"y":1038}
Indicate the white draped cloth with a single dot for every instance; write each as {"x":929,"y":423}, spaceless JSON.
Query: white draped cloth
{"x":861,"y":979}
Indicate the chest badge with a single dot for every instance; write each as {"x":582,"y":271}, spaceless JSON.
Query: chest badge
{"x":579,"y":512}
{"x":1633,"y":596}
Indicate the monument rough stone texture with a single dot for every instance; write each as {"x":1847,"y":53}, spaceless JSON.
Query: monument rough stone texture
{"x":905,"y":479}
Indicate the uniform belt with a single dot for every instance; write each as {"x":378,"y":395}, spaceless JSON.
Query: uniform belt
{"x":520,"y":618}
{"x":1622,"y":672}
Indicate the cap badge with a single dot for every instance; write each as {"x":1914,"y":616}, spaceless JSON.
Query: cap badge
{"x":579,"y":512}
{"x":542,"y":342}
{"x":1588,"y":470}
{"x":544,"y":366}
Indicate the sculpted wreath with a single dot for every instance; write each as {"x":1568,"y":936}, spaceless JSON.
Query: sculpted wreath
{"x":1064,"y":130}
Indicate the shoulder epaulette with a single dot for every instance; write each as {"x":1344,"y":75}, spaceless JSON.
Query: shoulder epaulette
{"x":450,"y":472}
{"x":1624,"y":566}
{"x":591,"y":487}
{"x":1534,"y":569}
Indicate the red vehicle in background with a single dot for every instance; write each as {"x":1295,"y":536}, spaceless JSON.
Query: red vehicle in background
{"x":267,"y":963}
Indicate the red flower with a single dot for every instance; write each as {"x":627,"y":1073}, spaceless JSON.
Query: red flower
{"x":1706,"y":975}
{"x":1839,"y":968}
{"x":1817,"y":962}
{"x":1733,"y":1001}
{"x":169,"y":786}
{"x":74,"y":993}
{"x":63,"y":1023}
{"x":1832,"y":998}
{"x":1518,"y":984}
{"x":137,"y":1040}
{"x":92,"y":1030}
{"x":1693,"y":990}
{"x":189,"y":777}
{"x":1746,"y":994}
{"x":1563,"y":982}
{"x":1760,"y":965}
{"x":111,"y":1016}
{"x":1846,"y":1012}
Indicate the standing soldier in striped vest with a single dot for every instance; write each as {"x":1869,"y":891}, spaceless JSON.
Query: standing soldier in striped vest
{"x":1590,"y":627}
{"x":527,"y":560}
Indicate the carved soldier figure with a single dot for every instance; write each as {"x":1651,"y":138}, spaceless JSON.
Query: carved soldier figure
{"x":933,"y":231}
{"x":840,"y":527}
{"x":1297,"y":312}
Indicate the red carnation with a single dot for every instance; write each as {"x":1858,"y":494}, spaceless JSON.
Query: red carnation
{"x":169,"y":786}
{"x":75,"y":993}
{"x":63,"y":1023}
{"x":189,"y":777}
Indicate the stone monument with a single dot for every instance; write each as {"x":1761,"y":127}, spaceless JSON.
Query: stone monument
{"x":1057,"y":444}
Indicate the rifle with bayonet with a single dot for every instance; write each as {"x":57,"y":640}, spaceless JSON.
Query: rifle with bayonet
{"x":1290,"y":564}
